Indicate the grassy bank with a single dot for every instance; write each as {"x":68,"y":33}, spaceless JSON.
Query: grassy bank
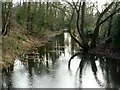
{"x":19,"y":41}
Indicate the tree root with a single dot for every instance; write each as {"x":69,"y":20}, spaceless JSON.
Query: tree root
{"x":69,"y":62}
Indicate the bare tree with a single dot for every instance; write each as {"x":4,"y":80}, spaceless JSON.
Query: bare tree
{"x":100,"y":21}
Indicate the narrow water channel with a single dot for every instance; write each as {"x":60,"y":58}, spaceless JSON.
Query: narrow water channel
{"x":50,"y":68}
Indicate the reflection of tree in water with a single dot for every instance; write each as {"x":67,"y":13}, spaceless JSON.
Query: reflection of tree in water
{"x":6,"y":77}
{"x":48,"y":55}
{"x":114,"y":72}
{"x":110,"y":70}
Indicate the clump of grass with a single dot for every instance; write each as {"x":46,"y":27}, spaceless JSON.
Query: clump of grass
{"x":7,"y":61}
{"x":23,"y":38}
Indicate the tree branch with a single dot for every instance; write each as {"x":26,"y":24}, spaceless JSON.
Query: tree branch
{"x":111,"y":15}
{"x":95,"y":8}
{"x":98,"y":23}
{"x":71,"y":32}
{"x":61,"y":10}
{"x":107,"y":8}
{"x":69,"y":62}
{"x":68,"y":3}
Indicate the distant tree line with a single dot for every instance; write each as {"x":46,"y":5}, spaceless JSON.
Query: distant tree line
{"x":77,"y":17}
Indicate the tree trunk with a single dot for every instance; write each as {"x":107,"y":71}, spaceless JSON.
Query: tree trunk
{"x":6,"y":17}
{"x":84,"y":41}
{"x":3,"y":17}
{"x":109,"y":28}
{"x":29,"y":17}
{"x":96,"y":31}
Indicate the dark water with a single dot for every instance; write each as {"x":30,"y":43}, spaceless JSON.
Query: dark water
{"x":49,"y":69}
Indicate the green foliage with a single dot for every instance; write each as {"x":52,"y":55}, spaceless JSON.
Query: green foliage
{"x":115,"y":33}
{"x":21,"y":14}
{"x":88,"y":32}
{"x":41,"y":16}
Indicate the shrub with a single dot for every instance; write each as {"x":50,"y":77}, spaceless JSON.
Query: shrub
{"x":115,"y":32}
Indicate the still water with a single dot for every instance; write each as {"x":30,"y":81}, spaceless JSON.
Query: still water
{"x":49,"y":69}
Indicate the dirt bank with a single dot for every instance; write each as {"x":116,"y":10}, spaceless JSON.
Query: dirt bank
{"x":19,"y":41}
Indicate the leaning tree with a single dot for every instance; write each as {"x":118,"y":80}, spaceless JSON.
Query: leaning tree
{"x":78,"y":9}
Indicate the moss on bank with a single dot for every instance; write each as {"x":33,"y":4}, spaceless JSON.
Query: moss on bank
{"x":19,"y":41}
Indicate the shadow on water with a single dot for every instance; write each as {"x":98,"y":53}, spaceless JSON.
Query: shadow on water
{"x":109,"y":68}
{"x":48,"y":68}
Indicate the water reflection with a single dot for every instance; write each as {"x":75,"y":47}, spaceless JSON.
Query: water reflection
{"x":49,"y":68}
{"x":20,"y":75}
{"x":96,"y":71}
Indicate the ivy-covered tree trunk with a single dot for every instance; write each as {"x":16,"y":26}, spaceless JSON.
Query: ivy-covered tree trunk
{"x":109,"y":27}
{"x":3,"y":17}
{"x":29,"y":18}
{"x":6,"y":17}
{"x":84,"y":41}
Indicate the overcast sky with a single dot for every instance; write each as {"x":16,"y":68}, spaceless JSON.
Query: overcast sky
{"x":100,"y":2}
